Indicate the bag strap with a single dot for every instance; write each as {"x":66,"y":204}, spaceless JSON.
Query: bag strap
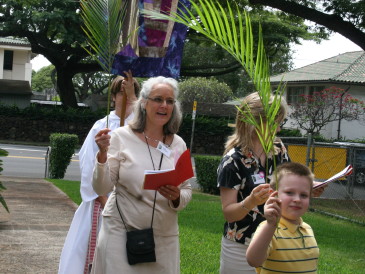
{"x":154,"y":200}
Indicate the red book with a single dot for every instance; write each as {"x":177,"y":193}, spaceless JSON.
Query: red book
{"x":153,"y":179}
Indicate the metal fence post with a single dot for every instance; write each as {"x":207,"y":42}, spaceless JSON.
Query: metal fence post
{"x":309,"y":143}
{"x":193,"y":126}
{"x":313,"y":158}
{"x":351,"y":179}
{"x":46,"y":170}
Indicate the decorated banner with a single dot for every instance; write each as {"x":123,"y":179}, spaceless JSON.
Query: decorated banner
{"x":152,"y":47}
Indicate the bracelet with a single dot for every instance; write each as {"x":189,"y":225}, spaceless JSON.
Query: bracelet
{"x":243,"y":206}
{"x":254,"y":210}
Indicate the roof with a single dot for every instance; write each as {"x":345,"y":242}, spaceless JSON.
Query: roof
{"x":14,"y":41}
{"x":17,"y":87}
{"x":345,"y":68}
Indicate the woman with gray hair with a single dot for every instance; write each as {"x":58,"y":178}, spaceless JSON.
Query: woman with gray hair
{"x":149,"y":142}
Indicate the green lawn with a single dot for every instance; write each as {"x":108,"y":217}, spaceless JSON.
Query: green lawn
{"x":341,"y":243}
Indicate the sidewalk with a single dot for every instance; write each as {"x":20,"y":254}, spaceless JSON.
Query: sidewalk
{"x":32,"y":235}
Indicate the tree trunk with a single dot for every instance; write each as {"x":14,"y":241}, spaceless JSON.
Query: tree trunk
{"x":65,"y":88}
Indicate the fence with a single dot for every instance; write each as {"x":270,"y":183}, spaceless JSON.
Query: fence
{"x":344,"y":198}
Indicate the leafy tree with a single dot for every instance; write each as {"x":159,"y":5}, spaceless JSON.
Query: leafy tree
{"x":84,"y":83}
{"x":345,"y":17}
{"x":90,"y":83}
{"x":2,"y":187}
{"x":42,"y":79}
{"x":53,"y":29}
{"x":204,"y":90}
{"x":315,"y":111}
{"x":203,"y":57}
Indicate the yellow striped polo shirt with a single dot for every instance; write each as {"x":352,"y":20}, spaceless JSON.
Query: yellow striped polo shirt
{"x":293,"y":249}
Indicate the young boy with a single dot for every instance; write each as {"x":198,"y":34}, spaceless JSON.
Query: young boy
{"x":288,"y":246}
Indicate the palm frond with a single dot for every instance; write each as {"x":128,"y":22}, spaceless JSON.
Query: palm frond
{"x":233,"y":32}
{"x":103,"y":21}
{"x":2,"y":200}
{"x":102,"y":25}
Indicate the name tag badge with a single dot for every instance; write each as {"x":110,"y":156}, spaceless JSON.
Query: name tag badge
{"x":258,"y":179}
{"x":163,"y":149}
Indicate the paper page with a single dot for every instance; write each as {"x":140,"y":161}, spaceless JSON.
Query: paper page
{"x":345,"y":172}
{"x":183,"y":170}
{"x":151,"y":171}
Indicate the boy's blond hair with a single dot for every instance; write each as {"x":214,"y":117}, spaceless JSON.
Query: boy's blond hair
{"x":291,"y":168}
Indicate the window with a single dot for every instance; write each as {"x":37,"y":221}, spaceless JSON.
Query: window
{"x":292,"y":94}
{"x":314,"y":89}
{"x":8,"y":59}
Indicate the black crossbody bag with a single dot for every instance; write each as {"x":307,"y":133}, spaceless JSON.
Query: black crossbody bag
{"x":140,"y":243}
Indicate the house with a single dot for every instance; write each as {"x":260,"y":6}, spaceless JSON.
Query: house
{"x":345,"y":71}
{"x":15,"y":71}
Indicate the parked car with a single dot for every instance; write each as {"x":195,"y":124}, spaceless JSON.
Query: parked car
{"x":357,"y":160}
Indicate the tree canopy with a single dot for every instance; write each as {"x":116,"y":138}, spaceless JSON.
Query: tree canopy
{"x":345,"y":17}
{"x":53,"y":29}
{"x":204,"y":90}
{"x":42,"y":79}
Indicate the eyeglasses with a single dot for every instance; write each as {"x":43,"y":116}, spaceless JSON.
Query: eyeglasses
{"x":283,"y":122}
{"x":159,"y":100}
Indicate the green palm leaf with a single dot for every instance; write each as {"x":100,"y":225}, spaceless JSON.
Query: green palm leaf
{"x":220,"y":26}
{"x":103,"y":20}
{"x":2,"y":200}
{"x":212,"y":21}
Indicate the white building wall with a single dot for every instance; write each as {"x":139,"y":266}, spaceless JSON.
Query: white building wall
{"x":22,"y":68}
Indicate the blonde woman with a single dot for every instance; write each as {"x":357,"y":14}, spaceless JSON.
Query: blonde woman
{"x":241,"y":179}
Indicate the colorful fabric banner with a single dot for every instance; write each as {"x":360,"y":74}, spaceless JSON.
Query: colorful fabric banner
{"x":155,"y":49}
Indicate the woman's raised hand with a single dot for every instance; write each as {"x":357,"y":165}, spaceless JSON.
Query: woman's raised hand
{"x":260,"y":194}
{"x":102,"y":140}
{"x":128,"y":85}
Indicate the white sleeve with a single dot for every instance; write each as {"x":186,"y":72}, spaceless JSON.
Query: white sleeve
{"x":87,"y":161}
{"x":105,"y":175}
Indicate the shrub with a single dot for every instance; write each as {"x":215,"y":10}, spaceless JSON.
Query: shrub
{"x":206,"y":170}
{"x":2,"y":200}
{"x":62,"y":148}
{"x":204,"y":90}
{"x":289,"y":133}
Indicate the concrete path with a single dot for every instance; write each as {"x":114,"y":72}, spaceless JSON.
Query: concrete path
{"x":33,"y":234}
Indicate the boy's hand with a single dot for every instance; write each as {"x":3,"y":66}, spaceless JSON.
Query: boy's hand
{"x":272,"y":209}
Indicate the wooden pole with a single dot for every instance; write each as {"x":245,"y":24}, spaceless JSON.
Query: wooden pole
{"x":124,"y":108}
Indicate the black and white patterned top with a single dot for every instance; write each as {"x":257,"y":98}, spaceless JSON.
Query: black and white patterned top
{"x":239,"y":171}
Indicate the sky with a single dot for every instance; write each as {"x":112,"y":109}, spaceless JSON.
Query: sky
{"x":307,"y":53}
{"x":310,"y":52}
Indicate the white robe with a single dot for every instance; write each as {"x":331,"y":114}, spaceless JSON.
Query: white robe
{"x":74,"y":252}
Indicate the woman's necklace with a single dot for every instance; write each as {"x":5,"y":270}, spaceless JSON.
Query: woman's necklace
{"x":257,"y":156}
{"x":149,"y":138}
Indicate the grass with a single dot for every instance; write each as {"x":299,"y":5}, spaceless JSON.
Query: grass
{"x":341,"y":243}
{"x":71,"y":188}
{"x":352,"y":209}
